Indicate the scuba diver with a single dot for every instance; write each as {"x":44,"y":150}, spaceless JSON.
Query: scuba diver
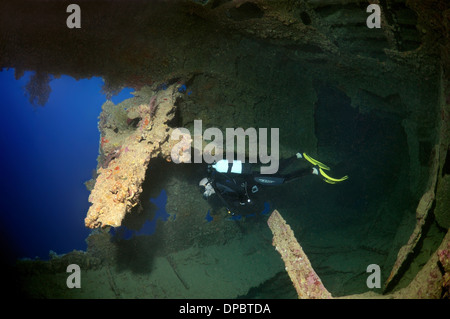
{"x":238,"y":185}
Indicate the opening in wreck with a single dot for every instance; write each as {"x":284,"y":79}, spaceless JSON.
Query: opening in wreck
{"x":360,"y":136}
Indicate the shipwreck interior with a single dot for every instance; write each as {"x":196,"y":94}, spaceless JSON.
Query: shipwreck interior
{"x":372,"y":103}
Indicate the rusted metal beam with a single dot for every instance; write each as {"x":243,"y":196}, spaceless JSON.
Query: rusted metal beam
{"x":305,"y":280}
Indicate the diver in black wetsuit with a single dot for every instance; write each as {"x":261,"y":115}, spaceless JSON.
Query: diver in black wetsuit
{"x":238,"y":184}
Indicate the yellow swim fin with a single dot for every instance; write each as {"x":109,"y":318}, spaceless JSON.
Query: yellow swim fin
{"x":330,"y":179}
{"x":315,"y":162}
{"x":322,"y":167}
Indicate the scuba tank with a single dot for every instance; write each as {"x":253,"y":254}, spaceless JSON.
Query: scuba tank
{"x":237,"y":167}
{"x":223,"y":166}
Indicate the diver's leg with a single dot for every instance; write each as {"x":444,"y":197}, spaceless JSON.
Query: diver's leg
{"x":298,"y":174}
{"x":285,"y":162}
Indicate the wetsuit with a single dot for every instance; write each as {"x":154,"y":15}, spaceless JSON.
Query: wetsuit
{"x":240,"y":193}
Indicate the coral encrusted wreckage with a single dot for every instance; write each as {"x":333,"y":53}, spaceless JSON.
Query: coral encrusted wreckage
{"x":121,"y":171}
{"x":305,"y":280}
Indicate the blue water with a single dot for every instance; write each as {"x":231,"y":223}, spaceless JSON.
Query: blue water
{"x":123,"y":95}
{"x":149,"y":227}
{"x":208,"y":216}
{"x":47,"y":153}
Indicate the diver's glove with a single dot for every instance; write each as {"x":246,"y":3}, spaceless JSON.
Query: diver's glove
{"x":320,"y":168}
{"x":209,"y":189}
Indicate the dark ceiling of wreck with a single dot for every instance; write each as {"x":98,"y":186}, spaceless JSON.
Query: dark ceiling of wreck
{"x":150,"y":41}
